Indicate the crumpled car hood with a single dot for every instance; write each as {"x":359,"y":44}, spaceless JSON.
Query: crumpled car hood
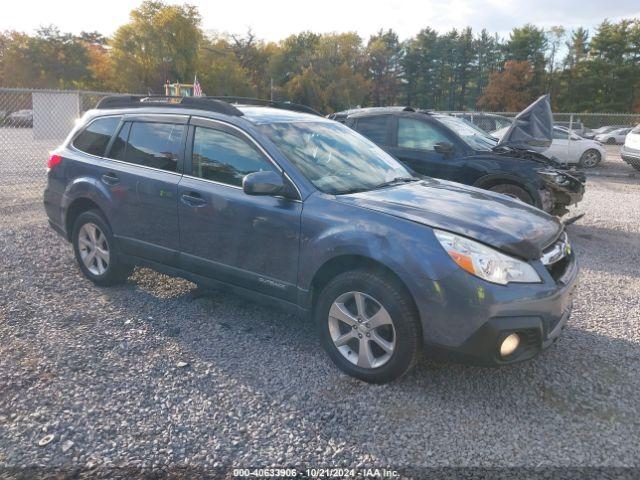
{"x":491,"y":218}
{"x":532,"y":128}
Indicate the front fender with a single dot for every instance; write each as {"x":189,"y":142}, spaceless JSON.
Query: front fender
{"x":331,"y":229}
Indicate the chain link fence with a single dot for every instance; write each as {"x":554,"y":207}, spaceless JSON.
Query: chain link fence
{"x":33,"y":122}
{"x":580,"y":123}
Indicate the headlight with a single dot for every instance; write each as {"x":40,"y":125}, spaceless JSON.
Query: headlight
{"x":485,"y":262}
{"x":554,"y":176}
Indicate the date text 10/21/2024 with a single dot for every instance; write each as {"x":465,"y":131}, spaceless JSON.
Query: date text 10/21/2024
{"x":315,"y":472}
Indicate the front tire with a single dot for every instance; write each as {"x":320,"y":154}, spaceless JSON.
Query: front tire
{"x":96,"y":250}
{"x":513,"y":191}
{"x":590,"y":158}
{"x":369,"y":326}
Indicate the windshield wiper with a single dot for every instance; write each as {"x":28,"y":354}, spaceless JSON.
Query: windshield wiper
{"x":388,"y":183}
{"x":394,"y":181}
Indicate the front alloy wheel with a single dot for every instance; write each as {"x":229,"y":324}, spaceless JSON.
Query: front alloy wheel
{"x":362,"y":330}
{"x":590,"y":158}
{"x":369,"y":325}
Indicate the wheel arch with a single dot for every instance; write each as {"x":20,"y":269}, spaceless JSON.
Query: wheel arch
{"x":489,"y":181}
{"x":348,"y":262}
{"x":84,"y":193}
{"x":77,"y":207}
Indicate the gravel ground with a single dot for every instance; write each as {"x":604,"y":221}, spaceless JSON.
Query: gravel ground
{"x":157,"y":374}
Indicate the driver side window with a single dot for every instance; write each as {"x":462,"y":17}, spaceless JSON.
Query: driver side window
{"x":225,"y":158}
{"x":418,"y":135}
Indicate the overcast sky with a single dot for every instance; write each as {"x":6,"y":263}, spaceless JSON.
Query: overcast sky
{"x":275,"y":19}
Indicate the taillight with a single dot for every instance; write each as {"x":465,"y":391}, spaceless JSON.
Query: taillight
{"x":53,"y":161}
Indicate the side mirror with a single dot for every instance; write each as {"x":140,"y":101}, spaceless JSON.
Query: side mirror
{"x":263,"y":183}
{"x":445,"y":148}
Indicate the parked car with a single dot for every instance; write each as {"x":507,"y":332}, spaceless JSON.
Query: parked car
{"x":3,"y":115}
{"x":569,"y":148}
{"x":630,"y":151}
{"x":302,"y":212}
{"x":448,"y":147}
{"x":614,"y":137}
{"x":591,"y":134}
{"x":488,"y":122}
{"x":19,"y":118}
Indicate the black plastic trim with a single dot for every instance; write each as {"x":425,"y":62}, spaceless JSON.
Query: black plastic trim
{"x":145,"y":101}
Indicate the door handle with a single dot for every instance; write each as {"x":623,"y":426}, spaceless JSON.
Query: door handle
{"x":110,"y":179}
{"x":193,"y":199}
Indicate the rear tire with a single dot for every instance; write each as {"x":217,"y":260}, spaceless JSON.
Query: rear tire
{"x":369,"y":326}
{"x":96,"y":250}
{"x":611,"y":141}
{"x":513,"y":191}
{"x":590,"y":158}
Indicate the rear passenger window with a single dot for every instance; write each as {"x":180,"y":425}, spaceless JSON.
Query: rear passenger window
{"x":374,"y":128}
{"x":95,"y":138}
{"x":154,"y":145}
{"x":225,"y":158}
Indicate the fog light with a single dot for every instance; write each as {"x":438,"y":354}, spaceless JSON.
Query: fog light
{"x":509,"y":344}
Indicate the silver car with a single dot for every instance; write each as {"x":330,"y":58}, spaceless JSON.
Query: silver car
{"x":614,"y":137}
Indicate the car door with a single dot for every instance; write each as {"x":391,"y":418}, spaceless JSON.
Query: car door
{"x":245,"y":240}
{"x":414,"y":142}
{"x":142,"y":171}
{"x":374,"y":127}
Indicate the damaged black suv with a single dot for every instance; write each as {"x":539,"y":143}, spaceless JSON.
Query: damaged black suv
{"x":443,"y":146}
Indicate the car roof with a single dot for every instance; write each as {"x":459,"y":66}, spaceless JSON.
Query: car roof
{"x":261,"y":115}
{"x":256,"y":115}
{"x":357,"y":112}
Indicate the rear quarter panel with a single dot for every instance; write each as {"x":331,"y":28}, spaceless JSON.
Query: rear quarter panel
{"x":78,"y":176}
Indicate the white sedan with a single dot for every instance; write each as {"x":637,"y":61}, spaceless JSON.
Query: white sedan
{"x":614,"y":137}
{"x":570,"y":148}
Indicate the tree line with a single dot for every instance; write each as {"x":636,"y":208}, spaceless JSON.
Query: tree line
{"x":457,"y":70}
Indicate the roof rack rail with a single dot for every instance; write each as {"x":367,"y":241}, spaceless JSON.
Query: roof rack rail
{"x":283,"y":105}
{"x":141,"y":101}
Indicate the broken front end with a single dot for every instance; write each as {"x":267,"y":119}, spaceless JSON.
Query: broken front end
{"x":561,"y":189}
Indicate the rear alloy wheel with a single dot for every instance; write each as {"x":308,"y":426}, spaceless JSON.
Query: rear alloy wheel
{"x":369,"y":326}
{"x":513,"y":191}
{"x":96,"y":250}
{"x":611,"y":141}
{"x":591,"y":158}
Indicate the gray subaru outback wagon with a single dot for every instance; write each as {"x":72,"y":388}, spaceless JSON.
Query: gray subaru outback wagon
{"x":299,"y":211}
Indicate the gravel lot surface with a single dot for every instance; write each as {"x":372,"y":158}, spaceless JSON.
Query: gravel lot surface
{"x":102,"y":370}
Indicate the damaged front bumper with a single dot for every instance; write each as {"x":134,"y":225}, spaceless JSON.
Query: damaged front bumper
{"x":561,"y":189}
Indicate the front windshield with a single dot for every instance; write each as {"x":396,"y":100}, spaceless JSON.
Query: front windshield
{"x":474,"y":136}
{"x":334,"y":158}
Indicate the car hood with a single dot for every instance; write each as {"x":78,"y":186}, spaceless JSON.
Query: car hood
{"x":491,"y":218}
